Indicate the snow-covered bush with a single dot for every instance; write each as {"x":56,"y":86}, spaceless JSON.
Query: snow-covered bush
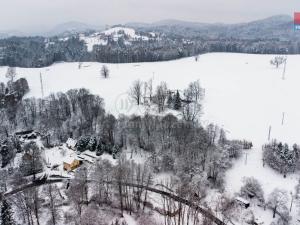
{"x":252,"y":188}
{"x":278,"y":60}
{"x":92,"y":144}
{"x":277,"y":201}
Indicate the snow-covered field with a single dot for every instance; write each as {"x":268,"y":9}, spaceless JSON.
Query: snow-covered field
{"x":243,"y":93}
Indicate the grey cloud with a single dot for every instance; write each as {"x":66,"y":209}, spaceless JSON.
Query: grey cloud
{"x":25,"y":14}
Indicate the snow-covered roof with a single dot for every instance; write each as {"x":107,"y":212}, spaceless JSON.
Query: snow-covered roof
{"x":71,"y":143}
{"x":240,"y":199}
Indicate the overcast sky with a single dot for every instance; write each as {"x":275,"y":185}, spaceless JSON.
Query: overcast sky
{"x":44,"y":14}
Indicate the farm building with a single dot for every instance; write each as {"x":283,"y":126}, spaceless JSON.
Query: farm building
{"x":243,"y":202}
{"x":28,"y":134}
{"x":70,"y":166}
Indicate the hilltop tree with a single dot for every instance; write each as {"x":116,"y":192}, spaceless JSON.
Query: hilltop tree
{"x":11,"y":74}
{"x":105,"y":71}
{"x":277,"y":61}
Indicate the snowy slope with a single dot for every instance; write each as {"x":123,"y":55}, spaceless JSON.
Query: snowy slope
{"x":244,"y":93}
{"x":115,"y":33}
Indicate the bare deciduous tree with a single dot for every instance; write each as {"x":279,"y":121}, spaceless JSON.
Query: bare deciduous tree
{"x":278,"y":60}
{"x":103,"y":174}
{"x":150,"y":89}
{"x":104,"y":71}
{"x":53,"y":196}
{"x":191,"y":111}
{"x":277,"y":200}
{"x":136,"y":91}
{"x":161,"y":96}
{"x":192,"y":107}
{"x":11,"y":73}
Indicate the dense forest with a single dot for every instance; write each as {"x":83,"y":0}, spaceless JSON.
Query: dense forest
{"x":34,"y":51}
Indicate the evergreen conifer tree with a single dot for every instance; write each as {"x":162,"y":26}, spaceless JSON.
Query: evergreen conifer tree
{"x":6,"y":214}
{"x":177,"y":101}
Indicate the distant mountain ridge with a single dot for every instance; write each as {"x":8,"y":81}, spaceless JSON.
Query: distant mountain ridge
{"x":279,"y":26}
{"x":74,"y":27}
{"x":64,"y":29}
{"x":174,"y":22}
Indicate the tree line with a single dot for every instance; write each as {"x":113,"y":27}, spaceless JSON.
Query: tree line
{"x":41,"y":52}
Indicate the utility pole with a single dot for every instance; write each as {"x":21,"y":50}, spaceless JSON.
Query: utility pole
{"x":246,"y":158}
{"x":283,"y":116}
{"x":269,"y":136}
{"x":292,"y":200}
{"x":42,"y":86}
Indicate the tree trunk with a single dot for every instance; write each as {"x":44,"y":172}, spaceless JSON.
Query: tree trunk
{"x":121,"y":198}
{"x":274,"y":211}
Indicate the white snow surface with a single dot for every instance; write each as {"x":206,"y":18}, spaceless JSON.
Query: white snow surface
{"x":127,"y":31}
{"x":92,"y":40}
{"x":243,"y":94}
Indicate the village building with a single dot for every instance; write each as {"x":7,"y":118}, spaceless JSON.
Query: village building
{"x":72,"y":164}
{"x":243,"y":202}
{"x":71,"y":143}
